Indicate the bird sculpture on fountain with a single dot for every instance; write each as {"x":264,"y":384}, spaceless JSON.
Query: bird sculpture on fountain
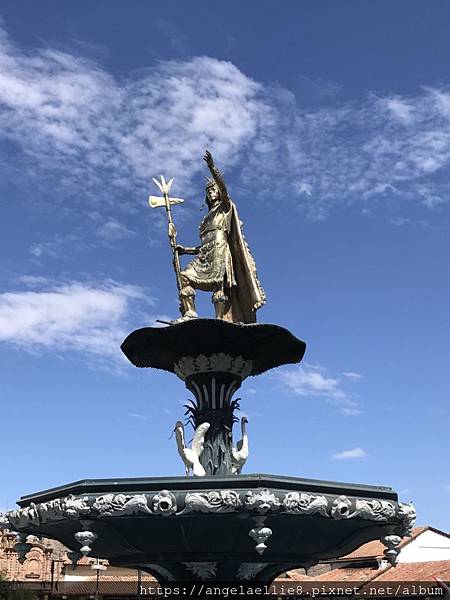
{"x":191,"y":456}
{"x":239,"y":453}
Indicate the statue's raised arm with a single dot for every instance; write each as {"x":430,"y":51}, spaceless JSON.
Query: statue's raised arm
{"x":217,"y":178}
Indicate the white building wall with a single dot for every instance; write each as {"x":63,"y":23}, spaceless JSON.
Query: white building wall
{"x":428,"y":546}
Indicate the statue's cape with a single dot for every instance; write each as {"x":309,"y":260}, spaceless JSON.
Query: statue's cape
{"x":247,"y":296}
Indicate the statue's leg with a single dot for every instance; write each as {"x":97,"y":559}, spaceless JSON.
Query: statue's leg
{"x":219,"y":299}
{"x":187,"y":298}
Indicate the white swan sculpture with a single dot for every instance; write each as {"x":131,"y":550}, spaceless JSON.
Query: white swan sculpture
{"x":191,"y":456}
{"x":239,"y":454}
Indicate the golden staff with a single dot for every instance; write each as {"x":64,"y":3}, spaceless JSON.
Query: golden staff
{"x":167,"y":202}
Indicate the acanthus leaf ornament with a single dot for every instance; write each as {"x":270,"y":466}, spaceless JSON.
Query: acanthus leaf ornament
{"x":407,"y":515}
{"x":220,"y":362}
{"x":373,"y":510}
{"x":24,"y":517}
{"x":160,"y":570}
{"x":248,"y":570}
{"x":75,"y":507}
{"x":184,"y":367}
{"x":308,"y":504}
{"x":202,"y":363}
{"x":202,"y":570}
{"x":212,"y":502}
{"x":121,"y":504}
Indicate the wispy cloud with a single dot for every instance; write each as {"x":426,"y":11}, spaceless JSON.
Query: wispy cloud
{"x":73,"y":120}
{"x":312,"y":381}
{"x":78,"y":125}
{"x":96,"y":228}
{"x":137,"y":416}
{"x":348,"y":454}
{"x":317,"y":90}
{"x":54,"y":246}
{"x":352,"y":375}
{"x":359,"y":153}
{"x":112,"y":230}
{"x":88,"y":319}
{"x":447,"y":488}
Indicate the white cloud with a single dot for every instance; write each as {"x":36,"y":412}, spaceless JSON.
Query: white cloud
{"x":74,"y":120}
{"x":399,"y":109}
{"x":353,"y":153}
{"x":399,"y":221}
{"x":304,"y":188}
{"x":432,"y":195}
{"x":57,"y":244}
{"x":137,"y":416}
{"x":88,"y":319}
{"x":318,"y":89}
{"x":80,"y":127}
{"x":352,"y":375}
{"x":311,"y":381}
{"x":112,"y":230}
{"x":346,"y":454}
{"x":107,"y":230}
{"x":447,"y":488}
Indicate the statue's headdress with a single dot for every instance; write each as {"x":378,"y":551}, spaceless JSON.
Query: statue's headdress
{"x":210,"y":182}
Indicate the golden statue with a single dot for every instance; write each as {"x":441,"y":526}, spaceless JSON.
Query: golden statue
{"x":223,"y":263}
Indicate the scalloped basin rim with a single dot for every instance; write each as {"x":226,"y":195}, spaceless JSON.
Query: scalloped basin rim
{"x":266,"y":345}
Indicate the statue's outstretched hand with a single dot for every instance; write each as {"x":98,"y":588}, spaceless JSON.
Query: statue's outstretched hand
{"x":209,"y":160}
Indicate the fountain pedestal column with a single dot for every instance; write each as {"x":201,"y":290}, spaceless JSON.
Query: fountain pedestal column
{"x":213,"y":380}
{"x":214,"y":405}
{"x":213,"y":358}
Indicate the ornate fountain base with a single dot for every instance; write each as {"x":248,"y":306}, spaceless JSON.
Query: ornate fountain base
{"x":242,"y":528}
{"x":222,"y":527}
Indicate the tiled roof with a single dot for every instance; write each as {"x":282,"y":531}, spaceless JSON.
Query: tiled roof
{"x":292,"y":576}
{"x":420,"y":571}
{"x":115,"y":587}
{"x":350,"y":574}
{"x":118,"y":578}
{"x":375,"y":548}
{"x":406,"y":572}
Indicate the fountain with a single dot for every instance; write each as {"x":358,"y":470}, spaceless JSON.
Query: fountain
{"x":221,"y":525}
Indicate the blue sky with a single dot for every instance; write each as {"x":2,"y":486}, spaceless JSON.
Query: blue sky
{"x":331,"y":123}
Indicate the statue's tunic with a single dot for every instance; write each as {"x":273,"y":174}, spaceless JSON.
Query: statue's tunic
{"x":225,"y":260}
{"x":213,"y":266}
